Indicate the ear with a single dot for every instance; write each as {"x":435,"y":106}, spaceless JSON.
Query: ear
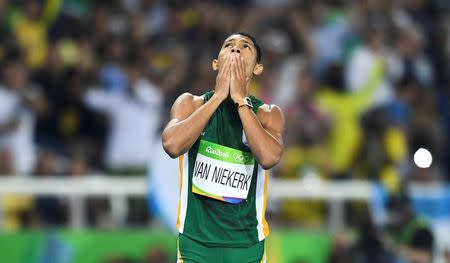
{"x":258,"y":69}
{"x":214,"y":64}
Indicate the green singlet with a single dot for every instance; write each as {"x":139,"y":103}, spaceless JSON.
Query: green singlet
{"x":223,"y":189}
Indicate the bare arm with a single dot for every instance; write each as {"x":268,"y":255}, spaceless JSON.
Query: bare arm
{"x":264,"y":133}
{"x":99,"y":100}
{"x":189,"y":116}
{"x":263,"y":130}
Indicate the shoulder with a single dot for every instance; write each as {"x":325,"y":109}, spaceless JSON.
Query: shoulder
{"x":271,"y":115}
{"x":188,"y":99}
{"x":186,"y":104}
{"x":270,"y":109}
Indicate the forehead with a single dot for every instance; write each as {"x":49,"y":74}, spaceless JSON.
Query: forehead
{"x":237,"y":37}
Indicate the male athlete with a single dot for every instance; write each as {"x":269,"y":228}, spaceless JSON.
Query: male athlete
{"x":226,"y":141}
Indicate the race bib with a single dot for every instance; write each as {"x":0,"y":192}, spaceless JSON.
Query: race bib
{"x":222,"y":173}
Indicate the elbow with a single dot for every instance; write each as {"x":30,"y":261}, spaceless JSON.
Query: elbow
{"x":270,"y":161}
{"x":170,"y":147}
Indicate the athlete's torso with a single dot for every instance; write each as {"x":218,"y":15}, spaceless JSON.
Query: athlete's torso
{"x":214,"y":222}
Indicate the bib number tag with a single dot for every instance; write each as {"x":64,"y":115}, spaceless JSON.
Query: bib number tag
{"x":222,"y":173}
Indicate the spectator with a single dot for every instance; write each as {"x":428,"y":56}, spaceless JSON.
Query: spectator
{"x":17,"y":210}
{"x":49,"y":211}
{"x":280,"y":79}
{"x":112,"y":74}
{"x":369,"y":247}
{"x":307,"y":124}
{"x":426,"y":129}
{"x":366,"y":56}
{"x":412,"y":61}
{"x":407,"y":92}
{"x":382,"y":151}
{"x":307,"y":128}
{"x":346,"y":119}
{"x":154,"y":15}
{"x":411,"y":238}
{"x":52,"y":78}
{"x":134,"y":118}
{"x":31,"y":29}
{"x":329,"y":32}
{"x":20,"y":102}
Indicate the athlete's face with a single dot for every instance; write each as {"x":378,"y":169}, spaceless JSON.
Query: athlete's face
{"x":242,"y":46}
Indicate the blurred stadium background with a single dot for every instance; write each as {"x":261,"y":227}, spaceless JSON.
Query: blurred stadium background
{"x":86,"y":87}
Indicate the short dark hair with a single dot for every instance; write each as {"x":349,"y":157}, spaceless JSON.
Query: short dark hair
{"x":253,"y":39}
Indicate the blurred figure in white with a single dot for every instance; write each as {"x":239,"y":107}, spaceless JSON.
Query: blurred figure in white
{"x":365,"y":57}
{"x":20,"y":101}
{"x":134,"y":118}
{"x":154,"y":13}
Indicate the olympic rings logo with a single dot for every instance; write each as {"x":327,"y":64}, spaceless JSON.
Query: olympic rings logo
{"x":241,"y":158}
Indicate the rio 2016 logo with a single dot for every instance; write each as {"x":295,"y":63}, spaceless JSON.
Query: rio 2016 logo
{"x":217,"y":152}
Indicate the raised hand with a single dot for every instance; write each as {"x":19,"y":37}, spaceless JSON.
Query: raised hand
{"x":222,"y":88}
{"x":238,"y":84}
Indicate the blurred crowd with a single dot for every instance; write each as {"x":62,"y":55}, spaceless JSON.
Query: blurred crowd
{"x":86,"y":86}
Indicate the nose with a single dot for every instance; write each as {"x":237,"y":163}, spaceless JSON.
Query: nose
{"x":235,"y":50}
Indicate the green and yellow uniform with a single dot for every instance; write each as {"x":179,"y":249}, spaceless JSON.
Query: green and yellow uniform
{"x":223,"y":191}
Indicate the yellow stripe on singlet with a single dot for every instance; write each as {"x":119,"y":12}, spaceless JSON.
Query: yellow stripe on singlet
{"x":265,"y":224}
{"x":181,"y":184}
{"x":179,"y":257}
{"x":264,"y":258}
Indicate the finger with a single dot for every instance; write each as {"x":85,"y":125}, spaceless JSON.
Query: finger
{"x":235,"y":60}
{"x":225,"y":63}
{"x":228,"y":70}
{"x":233,"y":63}
{"x":235,"y":71}
{"x":241,"y":67}
{"x":227,"y":59}
{"x":244,"y":63}
{"x":229,"y":64}
{"x":238,"y":62}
